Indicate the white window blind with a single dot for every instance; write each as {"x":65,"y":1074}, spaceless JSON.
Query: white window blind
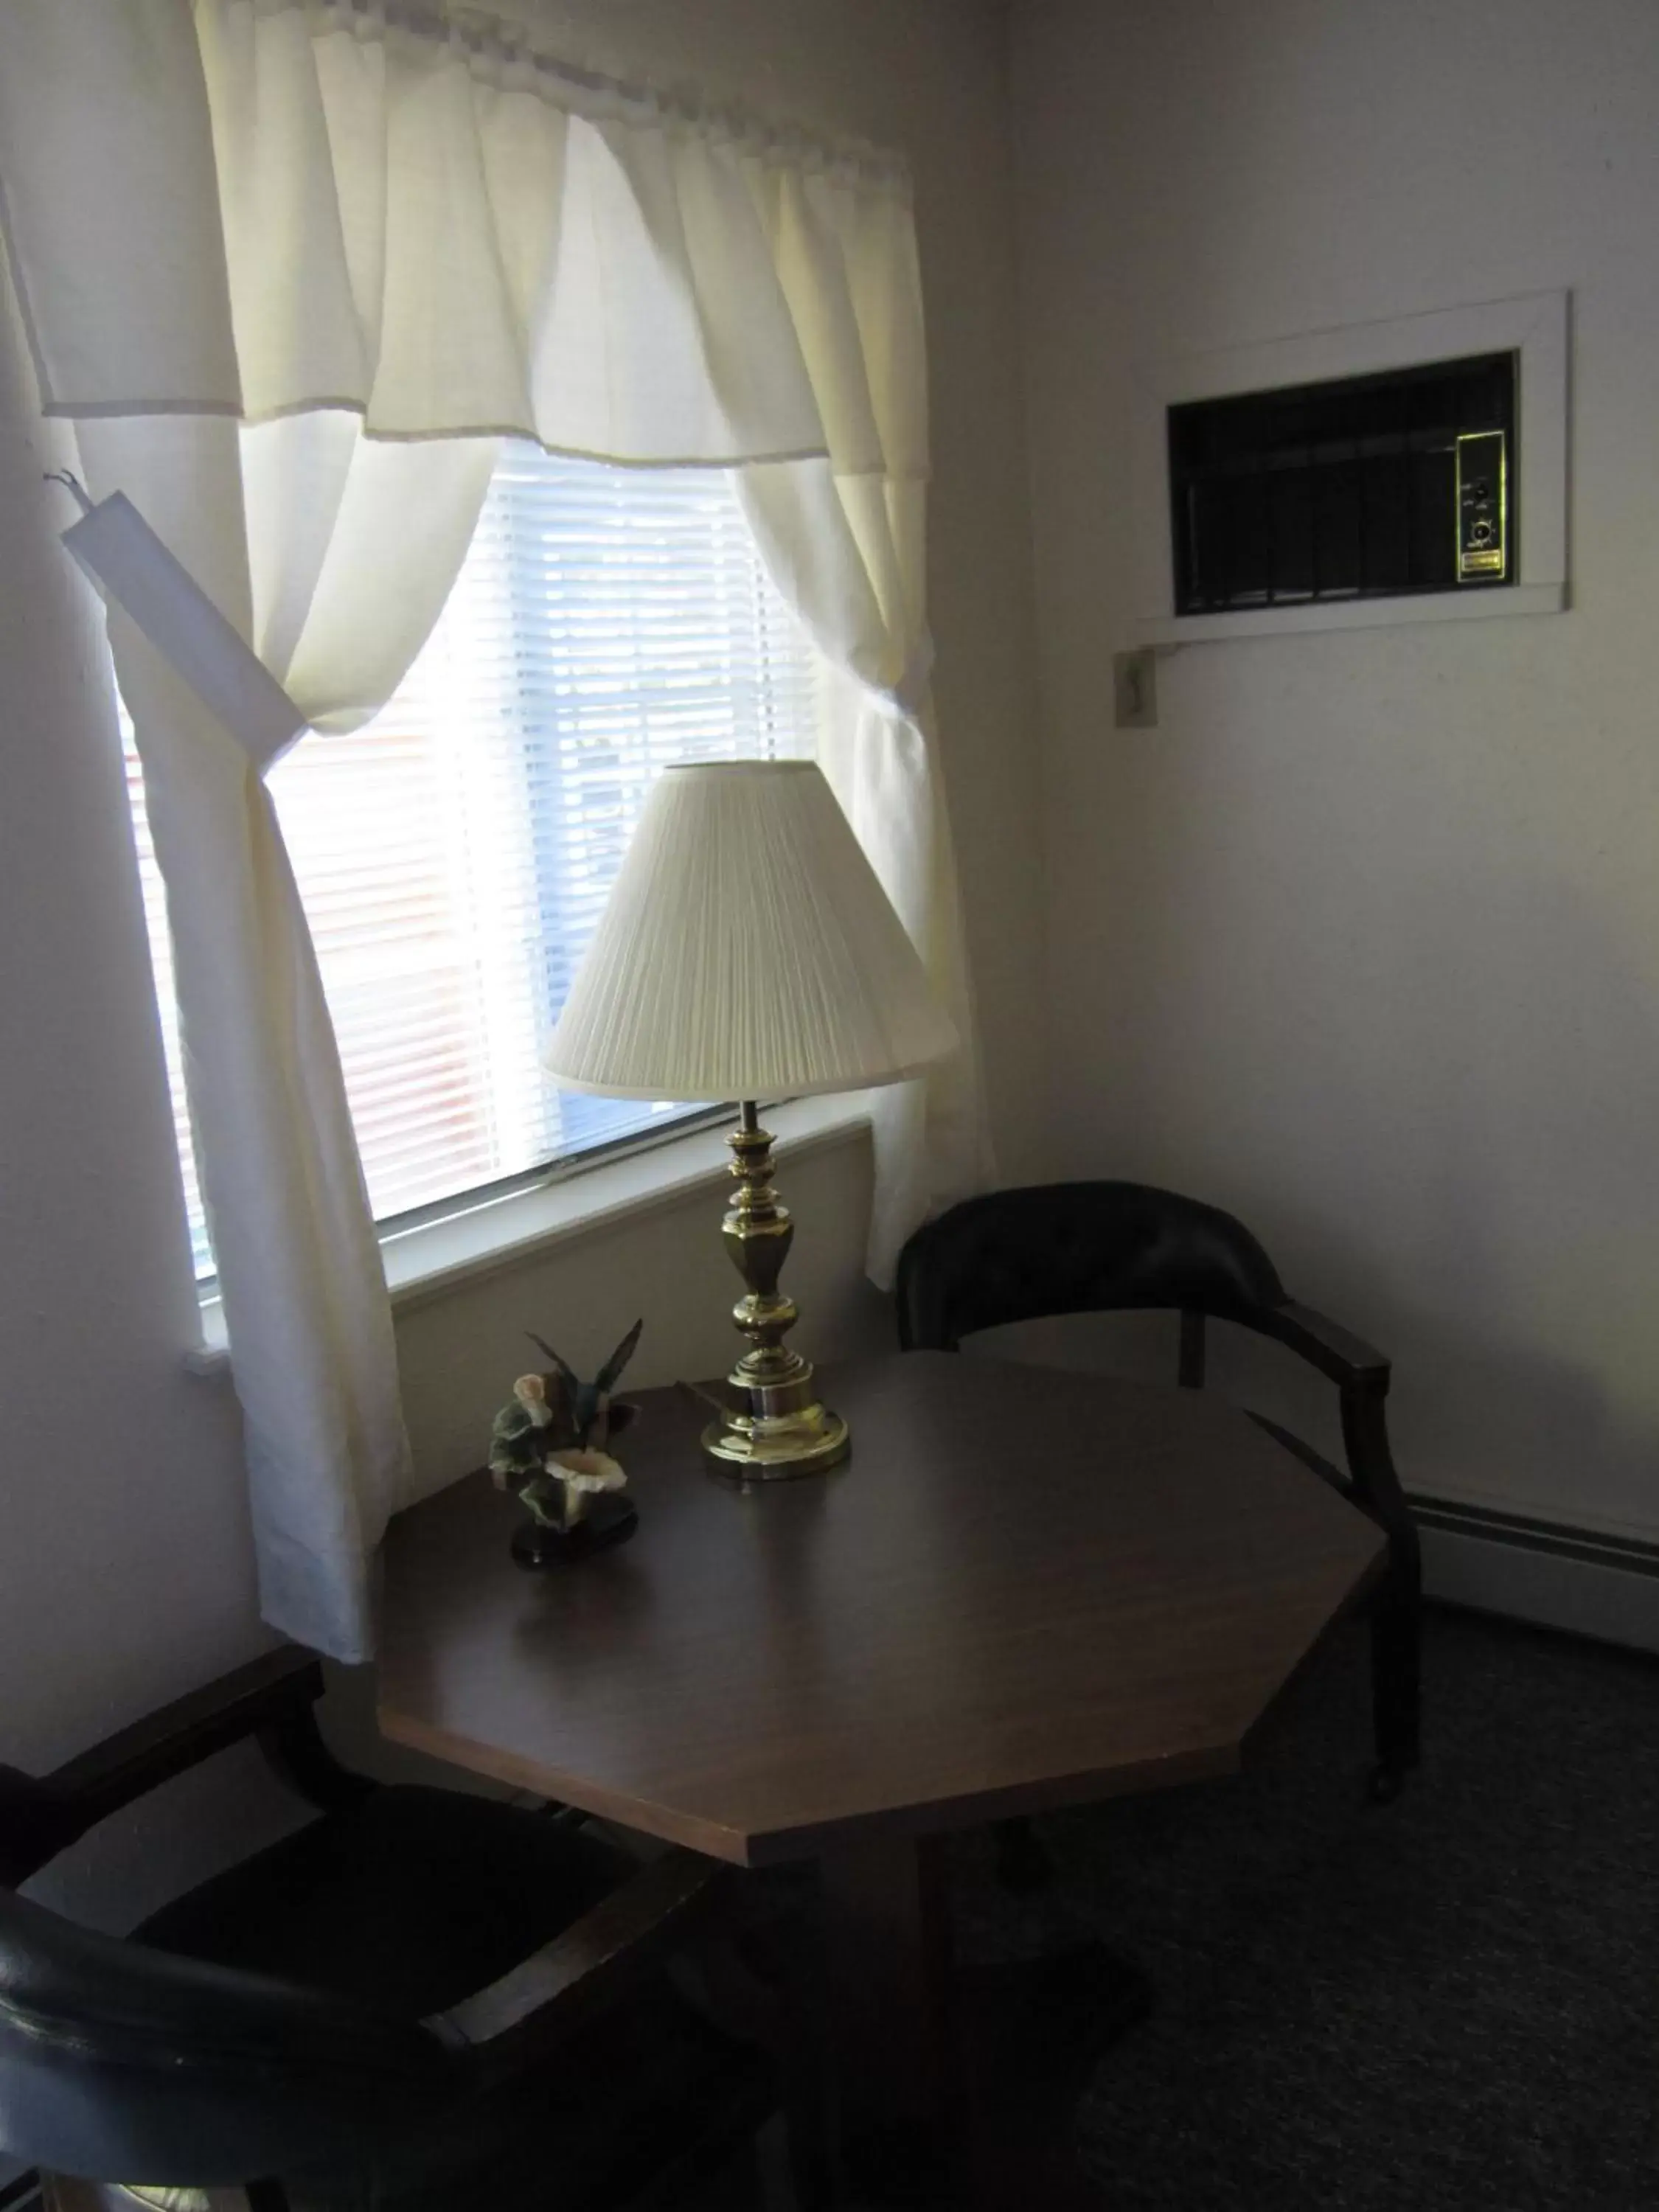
{"x":453,"y":854}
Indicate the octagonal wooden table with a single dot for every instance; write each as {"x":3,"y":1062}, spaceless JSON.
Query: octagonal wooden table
{"x":1026,"y":1589}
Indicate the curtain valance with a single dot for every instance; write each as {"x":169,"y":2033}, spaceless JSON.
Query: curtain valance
{"x":322,"y":206}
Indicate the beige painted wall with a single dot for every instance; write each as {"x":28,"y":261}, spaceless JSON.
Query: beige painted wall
{"x":1363,"y":940}
{"x":125,"y":1568}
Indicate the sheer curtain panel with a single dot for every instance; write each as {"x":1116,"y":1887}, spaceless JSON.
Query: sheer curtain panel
{"x":292,"y":270}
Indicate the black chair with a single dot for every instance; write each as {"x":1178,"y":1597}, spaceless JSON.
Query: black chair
{"x":423,"y":2001}
{"x":1108,"y":1246}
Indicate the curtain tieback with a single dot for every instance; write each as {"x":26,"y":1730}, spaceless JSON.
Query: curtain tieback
{"x":908,"y":696}
{"x":130,"y":565}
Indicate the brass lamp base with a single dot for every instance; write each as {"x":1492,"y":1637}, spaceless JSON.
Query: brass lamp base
{"x":775,"y":1426}
{"x":770,"y":1447}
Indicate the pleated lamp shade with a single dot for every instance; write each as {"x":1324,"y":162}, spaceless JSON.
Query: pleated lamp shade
{"x":748,"y":951}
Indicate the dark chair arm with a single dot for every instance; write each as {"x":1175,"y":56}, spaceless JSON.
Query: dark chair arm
{"x":271,"y":1697}
{"x":530,"y":2011}
{"x":1335,"y":1351}
{"x":1362,"y":1374}
{"x":262,"y":1694}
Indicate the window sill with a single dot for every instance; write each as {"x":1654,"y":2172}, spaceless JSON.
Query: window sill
{"x":427,"y":1262}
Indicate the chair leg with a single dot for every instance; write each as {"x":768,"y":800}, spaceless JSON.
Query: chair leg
{"x":1396,"y":1691}
{"x":1397,"y":1616}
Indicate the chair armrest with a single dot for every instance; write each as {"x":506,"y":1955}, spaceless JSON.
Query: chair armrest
{"x":531,"y":2009}
{"x":271,"y":1697}
{"x":267,"y":1693}
{"x":1335,"y":1351}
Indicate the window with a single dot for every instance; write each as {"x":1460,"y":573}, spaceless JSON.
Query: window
{"x":453,"y":855}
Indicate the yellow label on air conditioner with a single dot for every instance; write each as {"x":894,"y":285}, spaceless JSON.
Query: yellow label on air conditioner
{"x":1483,"y":503}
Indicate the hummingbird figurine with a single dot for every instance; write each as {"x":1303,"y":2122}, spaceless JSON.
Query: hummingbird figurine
{"x":550,"y":1445}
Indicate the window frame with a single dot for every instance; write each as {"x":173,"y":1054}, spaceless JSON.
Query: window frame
{"x":562,"y":1167}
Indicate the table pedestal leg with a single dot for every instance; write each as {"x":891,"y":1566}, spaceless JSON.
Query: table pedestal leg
{"x":957,"y":2086}
{"x":892,"y":1994}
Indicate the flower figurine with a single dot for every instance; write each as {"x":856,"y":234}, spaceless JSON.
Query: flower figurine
{"x":574,"y":1477}
{"x":548,"y":1444}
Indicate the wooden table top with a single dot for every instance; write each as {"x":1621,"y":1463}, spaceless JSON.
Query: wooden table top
{"x":1025,"y":1589}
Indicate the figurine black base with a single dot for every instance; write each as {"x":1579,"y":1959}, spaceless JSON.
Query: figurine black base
{"x":609,"y":1519}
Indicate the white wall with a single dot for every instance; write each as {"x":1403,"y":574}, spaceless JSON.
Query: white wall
{"x":125,"y":1568}
{"x":1363,"y":941}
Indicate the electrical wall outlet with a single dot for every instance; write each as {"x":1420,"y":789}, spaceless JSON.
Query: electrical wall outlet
{"x":1134,"y":690}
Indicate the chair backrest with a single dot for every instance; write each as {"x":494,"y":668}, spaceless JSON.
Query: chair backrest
{"x":117,"y":2060}
{"x":1076,"y":1248}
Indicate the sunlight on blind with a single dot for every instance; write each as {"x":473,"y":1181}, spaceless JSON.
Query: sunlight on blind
{"x":453,"y":855}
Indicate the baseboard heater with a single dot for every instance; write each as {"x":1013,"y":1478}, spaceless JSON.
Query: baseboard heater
{"x":1549,"y":1571}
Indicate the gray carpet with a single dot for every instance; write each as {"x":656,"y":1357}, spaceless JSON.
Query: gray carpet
{"x":1450,"y":2004}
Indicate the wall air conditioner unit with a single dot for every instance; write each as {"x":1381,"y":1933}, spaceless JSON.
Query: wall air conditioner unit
{"x":1401,"y":471}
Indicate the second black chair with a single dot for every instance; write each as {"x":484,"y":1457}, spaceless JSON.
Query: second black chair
{"x":1110,"y":1247}
{"x":422,"y":2001}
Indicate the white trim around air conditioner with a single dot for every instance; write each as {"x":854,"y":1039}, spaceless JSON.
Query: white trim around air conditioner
{"x":1534,"y":326}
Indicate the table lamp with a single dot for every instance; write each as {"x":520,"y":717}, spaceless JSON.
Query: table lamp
{"x":748,"y":952}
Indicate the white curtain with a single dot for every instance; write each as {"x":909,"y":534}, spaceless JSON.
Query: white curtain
{"x":292,"y":269}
